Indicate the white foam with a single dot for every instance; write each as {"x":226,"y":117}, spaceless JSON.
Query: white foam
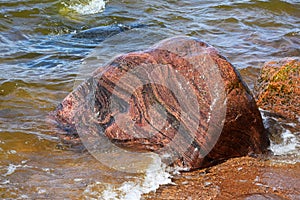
{"x":109,"y":193}
{"x":154,"y":176}
{"x":42,"y":191}
{"x":87,"y":8}
{"x":11,"y":152}
{"x":5,"y":182}
{"x":289,"y":144}
{"x":177,"y":170}
{"x":10,"y":169}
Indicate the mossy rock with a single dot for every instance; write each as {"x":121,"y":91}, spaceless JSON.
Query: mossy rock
{"x":278,"y":88}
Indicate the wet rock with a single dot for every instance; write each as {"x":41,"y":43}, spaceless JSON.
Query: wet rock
{"x":103,"y":32}
{"x":276,"y":181}
{"x":261,"y":197}
{"x":278,"y":88}
{"x":180,"y":99}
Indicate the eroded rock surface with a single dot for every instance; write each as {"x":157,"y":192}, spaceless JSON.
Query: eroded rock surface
{"x":180,"y":99}
{"x":242,"y":178}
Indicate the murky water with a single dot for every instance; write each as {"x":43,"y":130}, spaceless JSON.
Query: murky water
{"x":41,"y":60}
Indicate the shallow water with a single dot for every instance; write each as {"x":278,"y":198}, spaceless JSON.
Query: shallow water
{"x":41,"y":62}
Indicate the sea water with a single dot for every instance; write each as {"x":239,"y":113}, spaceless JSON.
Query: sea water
{"x":41,"y":62}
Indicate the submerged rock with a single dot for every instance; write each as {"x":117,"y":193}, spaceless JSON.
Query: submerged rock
{"x":103,"y":32}
{"x":278,"y":88}
{"x":180,"y":99}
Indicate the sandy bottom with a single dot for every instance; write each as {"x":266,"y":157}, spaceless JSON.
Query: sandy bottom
{"x":239,"y":178}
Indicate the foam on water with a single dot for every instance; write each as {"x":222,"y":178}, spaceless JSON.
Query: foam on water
{"x":156,"y":174}
{"x":287,"y":142}
{"x":86,"y":7}
{"x":10,"y":170}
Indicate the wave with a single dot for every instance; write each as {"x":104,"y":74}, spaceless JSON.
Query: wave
{"x":284,"y":137}
{"x":155,"y":175}
{"x":86,"y":7}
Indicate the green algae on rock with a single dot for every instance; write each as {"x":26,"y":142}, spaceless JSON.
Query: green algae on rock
{"x":278,"y":87}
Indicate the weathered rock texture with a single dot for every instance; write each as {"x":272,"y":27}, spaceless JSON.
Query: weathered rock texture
{"x":179,"y":98}
{"x":239,"y":178}
{"x":278,"y":88}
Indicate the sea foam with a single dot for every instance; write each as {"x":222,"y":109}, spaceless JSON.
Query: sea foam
{"x":289,"y":142}
{"x":288,"y":145}
{"x":87,"y":7}
{"x":155,"y":175}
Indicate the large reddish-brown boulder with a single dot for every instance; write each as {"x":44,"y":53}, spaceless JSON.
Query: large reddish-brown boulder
{"x":278,"y":88}
{"x":180,"y":99}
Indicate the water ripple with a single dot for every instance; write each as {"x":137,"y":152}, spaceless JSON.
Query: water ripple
{"x":40,"y":60}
